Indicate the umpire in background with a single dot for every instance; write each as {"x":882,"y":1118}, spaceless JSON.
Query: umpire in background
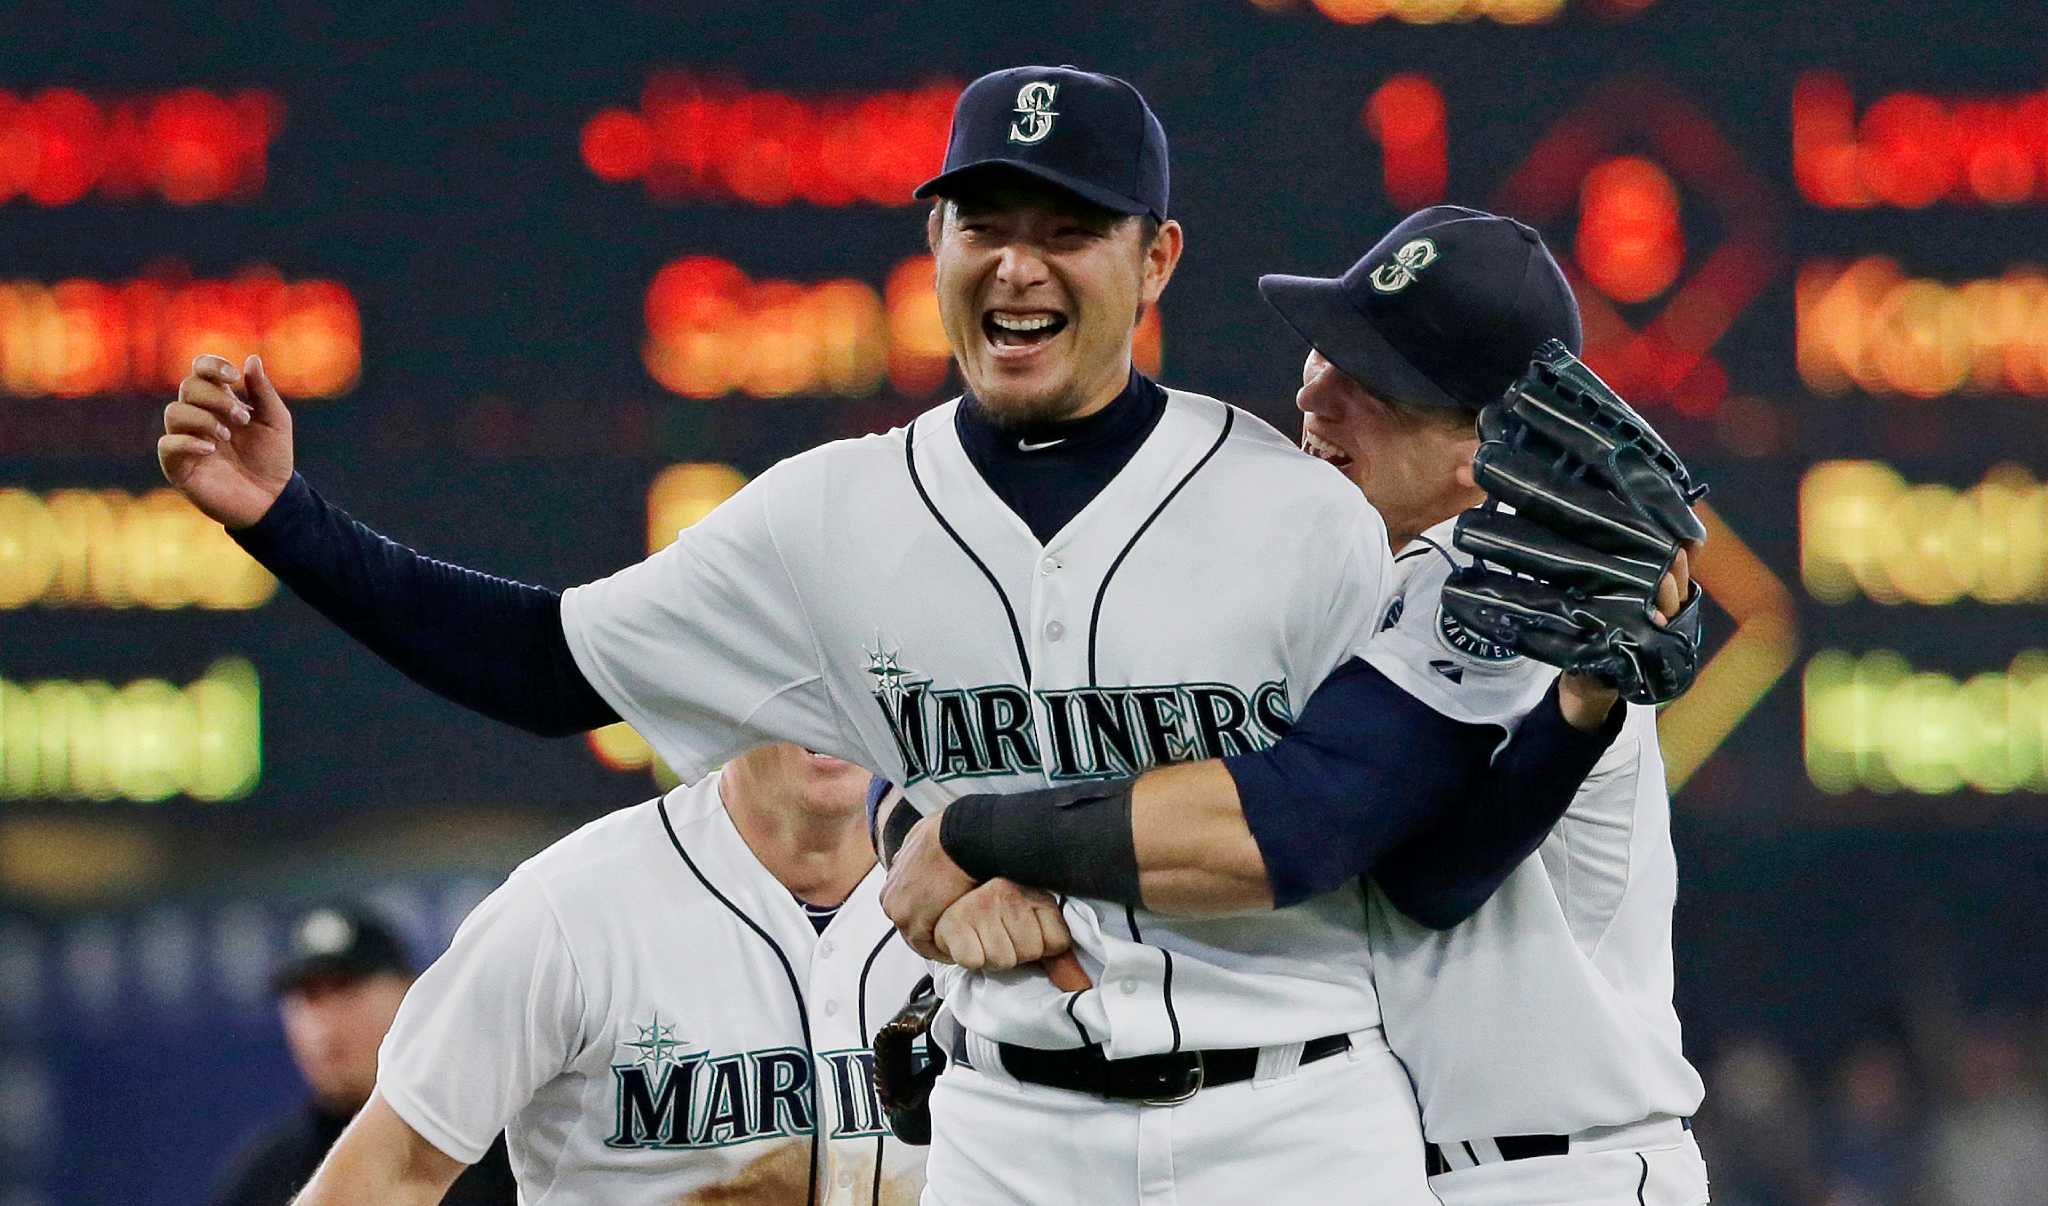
{"x":337,"y":991}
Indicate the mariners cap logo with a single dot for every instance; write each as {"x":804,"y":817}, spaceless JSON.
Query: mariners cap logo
{"x":1399,"y":273}
{"x":1034,"y":112}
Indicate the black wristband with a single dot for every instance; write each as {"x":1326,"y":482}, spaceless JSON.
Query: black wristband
{"x":1075,"y":839}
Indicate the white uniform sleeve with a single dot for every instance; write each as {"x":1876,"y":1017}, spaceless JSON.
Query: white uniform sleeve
{"x":1365,"y":577}
{"x":1428,"y":654}
{"x":705,"y":647}
{"x":495,"y":1018}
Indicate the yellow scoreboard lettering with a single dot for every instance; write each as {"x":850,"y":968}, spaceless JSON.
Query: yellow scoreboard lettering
{"x":1864,"y":530}
{"x":683,"y":494}
{"x":107,"y":548}
{"x":1873,"y":723}
{"x":146,"y":741}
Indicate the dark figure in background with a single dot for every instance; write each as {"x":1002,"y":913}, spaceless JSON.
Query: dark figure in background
{"x":337,"y":992}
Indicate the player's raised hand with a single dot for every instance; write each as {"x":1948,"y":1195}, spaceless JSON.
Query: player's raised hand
{"x":1585,"y":700}
{"x":227,"y":442}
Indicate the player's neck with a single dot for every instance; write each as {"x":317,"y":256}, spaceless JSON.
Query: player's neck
{"x":821,"y":858}
{"x":1404,"y":529}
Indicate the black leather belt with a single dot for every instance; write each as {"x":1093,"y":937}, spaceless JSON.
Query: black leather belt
{"x":1156,"y":1079}
{"x":1512,"y":1147}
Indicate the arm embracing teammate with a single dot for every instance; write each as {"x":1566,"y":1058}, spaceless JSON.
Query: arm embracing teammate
{"x":1522,"y":954}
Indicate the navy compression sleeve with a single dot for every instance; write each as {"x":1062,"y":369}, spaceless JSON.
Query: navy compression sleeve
{"x":1442,"y":874}
{"x":490,"y":644}
{"x":1367,"y":766}
{"x":1364,"y":766}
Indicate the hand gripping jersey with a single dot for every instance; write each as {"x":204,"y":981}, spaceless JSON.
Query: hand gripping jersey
{"x":651,"y":1018}
{"x":1549,"y":1011}
{"x":875,"y":600}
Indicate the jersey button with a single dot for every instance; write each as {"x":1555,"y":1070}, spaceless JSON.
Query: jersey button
{"x":1055,"y":631}
{"x":825,"y":949}
{"x":1049,"y":566}
{"x":831,"y":1008}
{"x":1129,"y":987}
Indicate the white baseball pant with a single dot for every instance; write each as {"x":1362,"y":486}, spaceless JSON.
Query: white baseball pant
{"x":1342,"y":1130}
{"x":1653,"y":1163}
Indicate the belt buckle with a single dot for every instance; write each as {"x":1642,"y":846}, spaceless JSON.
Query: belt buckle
{"x":1197,"y":1075}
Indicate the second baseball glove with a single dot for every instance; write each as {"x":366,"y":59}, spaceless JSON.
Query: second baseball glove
{"x":907,"y":1065}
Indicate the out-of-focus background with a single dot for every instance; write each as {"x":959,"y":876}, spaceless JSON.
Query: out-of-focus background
{"x":543,"y":290}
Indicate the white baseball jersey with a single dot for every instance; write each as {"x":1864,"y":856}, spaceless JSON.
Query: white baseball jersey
{"x":650,"y":1017}
{"x":874,"y":599}
{"x":1548,"y":1012}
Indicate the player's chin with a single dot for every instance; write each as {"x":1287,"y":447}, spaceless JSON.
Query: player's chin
{"x":836,"y":778}
{"x":1015,"y":400}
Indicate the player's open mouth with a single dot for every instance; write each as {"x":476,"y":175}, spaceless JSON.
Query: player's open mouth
{"x":1324,"y":451}
{"x":1021,"y":328}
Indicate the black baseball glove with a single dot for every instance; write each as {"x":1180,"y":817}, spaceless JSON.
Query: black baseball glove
{"x":906,"y":1069}
{"x":1601,"y":507}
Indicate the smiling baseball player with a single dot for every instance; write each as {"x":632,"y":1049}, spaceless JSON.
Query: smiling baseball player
{"x":1527,"y":994}
{"x":1068,"y":573}
{"x":672,"y":1005}
{"x":1540,"y":1031}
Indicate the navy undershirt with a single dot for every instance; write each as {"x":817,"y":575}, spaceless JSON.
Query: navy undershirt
{"x":818,"y":915}
{"x":1047,"y":472}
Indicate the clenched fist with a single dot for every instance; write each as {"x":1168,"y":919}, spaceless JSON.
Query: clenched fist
{"x":227,"y":442}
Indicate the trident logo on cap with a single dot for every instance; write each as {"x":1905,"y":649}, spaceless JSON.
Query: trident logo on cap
{"x":1034,"y":107}
{"x":1414,"y":256}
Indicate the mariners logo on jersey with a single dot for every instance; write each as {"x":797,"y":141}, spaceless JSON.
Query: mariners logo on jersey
{"x":1457,"y":637}
{"x":1095,"y":732}
{"x":1399,"y":273}
{"x":1034,"y":112}
{"x":670,"y":1096}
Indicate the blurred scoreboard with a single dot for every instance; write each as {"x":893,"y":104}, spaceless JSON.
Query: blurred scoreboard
{"x":542,"y":297}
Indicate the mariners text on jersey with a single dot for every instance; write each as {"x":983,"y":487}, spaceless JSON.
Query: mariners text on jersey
{"x":1093,"y":732}
{"x":698,"y":1099}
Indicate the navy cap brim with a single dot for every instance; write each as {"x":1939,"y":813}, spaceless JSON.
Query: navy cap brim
{"x":1319,"y":312}
{"x":327,"y":967}
{"x":941,"y":184}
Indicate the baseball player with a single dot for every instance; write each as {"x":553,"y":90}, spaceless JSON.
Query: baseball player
{"x":1540,"y":1032}
{"x":671,"y":1005}
{"x":1550,"y":1009}
{"x":1067,"y":573}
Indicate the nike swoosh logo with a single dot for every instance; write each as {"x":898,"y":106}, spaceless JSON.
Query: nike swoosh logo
{"x":1028,"y":446}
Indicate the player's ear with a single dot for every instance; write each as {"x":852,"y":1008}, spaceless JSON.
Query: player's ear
{"x":934,"y":222}
{"x":1160,"y":260}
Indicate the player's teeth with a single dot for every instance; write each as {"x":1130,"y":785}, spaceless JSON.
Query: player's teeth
{"x":1035,"y":322}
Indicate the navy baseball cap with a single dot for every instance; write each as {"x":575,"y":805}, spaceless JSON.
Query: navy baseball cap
{"x":339,"y":941}
{"x":1092,"y":135}
{"x":1445,"y":311}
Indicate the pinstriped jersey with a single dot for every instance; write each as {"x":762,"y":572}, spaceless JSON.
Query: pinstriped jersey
{"x":875,"y":600}
{"x":651,"y":1018}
